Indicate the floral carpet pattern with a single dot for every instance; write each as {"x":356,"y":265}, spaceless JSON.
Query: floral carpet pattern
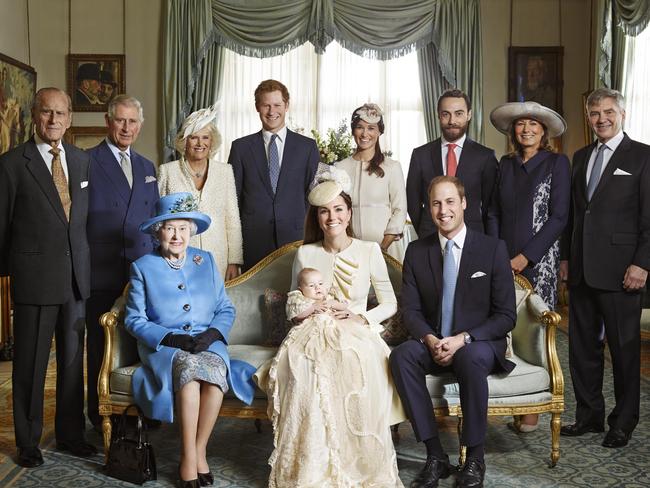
{"x":238,"y":454}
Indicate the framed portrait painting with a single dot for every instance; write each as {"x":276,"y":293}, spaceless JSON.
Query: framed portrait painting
{"x":85,"y":137}
{"x":17,"y":90}
{"x":535,"y":74}
{"x":94,"y":79}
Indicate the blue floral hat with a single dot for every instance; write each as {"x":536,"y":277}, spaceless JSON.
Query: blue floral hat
{"x":177,"y":206}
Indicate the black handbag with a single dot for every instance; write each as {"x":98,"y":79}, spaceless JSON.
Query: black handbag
{"x":131,"y":459}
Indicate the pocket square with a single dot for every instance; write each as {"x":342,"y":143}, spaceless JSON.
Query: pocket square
{"x":84,"y":184}
{"x":478,"y":274}
{"x":620,"y":172}
{"x":149,"y":179}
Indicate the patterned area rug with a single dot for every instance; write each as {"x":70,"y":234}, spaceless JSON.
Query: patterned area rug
{"x":238,"y":453}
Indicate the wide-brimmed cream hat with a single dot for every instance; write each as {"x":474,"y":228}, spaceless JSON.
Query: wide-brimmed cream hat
{"x":329,"y":182}
{"x":504,"y":115}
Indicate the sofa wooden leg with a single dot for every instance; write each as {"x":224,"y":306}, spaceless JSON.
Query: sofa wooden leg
{"x":462,"y":450}
{"x":107,"y":430}
{"x":556,"y":423}
{"x":258,"y":426}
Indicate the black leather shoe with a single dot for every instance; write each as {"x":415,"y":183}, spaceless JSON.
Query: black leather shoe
{"x":79,"y":449}
{"x":580,"y":428}
{"x":616,"y":438}
{"x":29,"y":457}
{"x":434,"y":469}
{"x":472,"y":474}
{"x":187,"y":483}
{"x":206,"y":479}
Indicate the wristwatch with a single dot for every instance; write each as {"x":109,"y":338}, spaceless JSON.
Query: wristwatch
{"x":467,"y":338}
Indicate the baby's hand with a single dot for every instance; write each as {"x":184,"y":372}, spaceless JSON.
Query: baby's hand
{"x":320,"y":308}
{"x":336,"y":305}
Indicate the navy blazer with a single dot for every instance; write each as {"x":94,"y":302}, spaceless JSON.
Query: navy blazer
{"x":610,"y":232}
{"x":115,"y":213}
{"x":484,"y":301}
{"x":272,"y":220}
{"x":41,"y":251}
{"x":477,"y":169}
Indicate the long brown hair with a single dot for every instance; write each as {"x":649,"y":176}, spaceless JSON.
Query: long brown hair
{"x":518,"y":150}
{"x":313,"y":232}
{"x":374,"y":165}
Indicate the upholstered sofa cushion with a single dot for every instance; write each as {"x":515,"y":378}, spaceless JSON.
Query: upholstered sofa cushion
{"x":120,"y":379}
{"x":275,"y":303}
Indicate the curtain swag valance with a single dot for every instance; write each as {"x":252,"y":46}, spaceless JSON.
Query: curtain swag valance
{"x":633,"y":15}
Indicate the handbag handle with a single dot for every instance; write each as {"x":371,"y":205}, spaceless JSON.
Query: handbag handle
{"x":141,"y":426}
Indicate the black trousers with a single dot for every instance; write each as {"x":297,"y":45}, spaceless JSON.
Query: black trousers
{"x":34,"y":327}
{"x":97,"y":304}
{"x":620,"y":311}
{"x":411,"y":361}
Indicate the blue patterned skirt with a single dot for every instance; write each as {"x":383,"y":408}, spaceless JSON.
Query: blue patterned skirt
{"x":204,"y":366}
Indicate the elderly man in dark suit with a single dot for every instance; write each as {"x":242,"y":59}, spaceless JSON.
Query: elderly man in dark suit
{"x":458,"y":303}
{"x":453,"y":154}
{"x":607,"y":245}
{"x":123,"y":194}
{"x":273,"y":170}
{"x":44,"y":250}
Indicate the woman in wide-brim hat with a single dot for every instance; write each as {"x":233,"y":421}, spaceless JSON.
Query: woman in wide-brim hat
{"x":530,"y":204}
{"x":179,"y":312}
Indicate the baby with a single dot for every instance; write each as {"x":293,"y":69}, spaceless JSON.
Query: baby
{"x":312,"y":298}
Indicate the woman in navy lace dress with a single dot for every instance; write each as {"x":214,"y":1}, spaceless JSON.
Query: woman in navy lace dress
{"x":530,"y":206}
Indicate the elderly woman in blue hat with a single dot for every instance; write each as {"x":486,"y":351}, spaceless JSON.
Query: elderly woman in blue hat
{"x":180,"y":314}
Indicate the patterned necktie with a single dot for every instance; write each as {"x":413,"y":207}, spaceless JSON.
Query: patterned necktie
{"x":125,"y":163}
{"x":597,"y":169}
{"x":274,"y":162}
{"x":449,"y":276}
{"x":451,"y":160}
{"x":60,"y":181}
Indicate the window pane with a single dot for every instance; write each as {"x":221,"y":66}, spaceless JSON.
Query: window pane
{"x":636,"y":87}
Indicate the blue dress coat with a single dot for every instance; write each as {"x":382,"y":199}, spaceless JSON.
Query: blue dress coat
{"x":185,"y":301}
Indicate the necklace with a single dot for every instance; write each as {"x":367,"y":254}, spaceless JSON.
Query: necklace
{"x":193,"y":172}
{"x":176,"y":263}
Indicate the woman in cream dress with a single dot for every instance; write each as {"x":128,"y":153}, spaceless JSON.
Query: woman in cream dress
{"x":212,"y":185}
{"x":378,"y":192}
{"x":331,"y":398}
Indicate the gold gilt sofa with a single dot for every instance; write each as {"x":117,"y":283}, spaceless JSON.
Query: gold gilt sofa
{"x":535,"y":386}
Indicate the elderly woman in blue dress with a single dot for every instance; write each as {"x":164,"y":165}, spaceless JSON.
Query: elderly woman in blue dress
{"x":530,"y":204}
{"x":180,"y":314}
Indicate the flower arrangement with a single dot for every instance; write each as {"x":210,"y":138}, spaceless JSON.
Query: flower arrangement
{"x":336,"y":145}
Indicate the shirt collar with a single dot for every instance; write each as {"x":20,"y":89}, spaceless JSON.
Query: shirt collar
{"x":116,"y":150}
{"x":613,"y":143}
{"x":459,"y":142}
{"x":459,"y":239}
{"x":44,"y":146}
{"x":282,"y":135}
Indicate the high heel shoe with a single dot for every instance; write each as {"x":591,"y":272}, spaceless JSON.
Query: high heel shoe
{"x":186,"y":483}
{"x":206,"y":479}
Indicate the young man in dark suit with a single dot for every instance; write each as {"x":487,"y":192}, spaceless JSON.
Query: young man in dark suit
{"x":44,"y":250}
{"x":458,"y":303}
{"x":606,"y":248}
{"x":273,"y":170}
{"x":123,"y":194}
{"x":453,"y":154}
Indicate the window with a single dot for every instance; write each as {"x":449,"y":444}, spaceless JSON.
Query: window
{"x":635,"y":86}
{"x":324,"y":90}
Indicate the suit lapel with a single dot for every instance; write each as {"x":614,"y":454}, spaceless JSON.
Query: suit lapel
{"x":259,"y":156}
{"x":436,"y":158}
{"x":287,"y":161}
{"x":138,"y":174}
{"x":618,"y":157}
{"x":466,"y":260}
{"x":37,"y":167}
{"x":581,"y":172}
{"x":74,"y":179}
{"x":435,"y":263}
{"x":111,"y":168}
{"x":466,"y":154}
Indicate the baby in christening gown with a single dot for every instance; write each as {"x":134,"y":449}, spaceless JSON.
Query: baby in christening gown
{"x":311,"y":298}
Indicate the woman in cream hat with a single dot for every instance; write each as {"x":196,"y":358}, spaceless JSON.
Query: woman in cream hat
{"x":213,"y":185}
{"x":331,"y":399}
{"x":530,"y":205}
{"x":377,"y":184}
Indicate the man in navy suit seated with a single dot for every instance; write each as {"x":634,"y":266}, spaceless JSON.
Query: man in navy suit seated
{"x":123,"y":194}
{"x":273,"y":170}
{"x":458,"y":303}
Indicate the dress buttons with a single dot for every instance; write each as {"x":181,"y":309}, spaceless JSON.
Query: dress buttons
{"x":181,"y":286}
{"x":186,"y":307}
{"x":187,"y":327}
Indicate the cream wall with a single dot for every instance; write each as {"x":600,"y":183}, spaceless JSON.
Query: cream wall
{"x":536,"y":23}
{"x":97,"y":26}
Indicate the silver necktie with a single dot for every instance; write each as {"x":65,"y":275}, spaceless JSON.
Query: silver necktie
{"x":125,"y":163}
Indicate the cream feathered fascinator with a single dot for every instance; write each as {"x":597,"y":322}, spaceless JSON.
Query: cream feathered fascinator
{"x":199,"y":120}
{"x":370,"y":112}
{"x":329,"y":183}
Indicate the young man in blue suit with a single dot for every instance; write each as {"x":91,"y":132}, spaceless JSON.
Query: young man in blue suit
{"x":273,"y":170}
{"x":458,"y":302}
{"x":453,"y":154}
{"x":123,"y":194}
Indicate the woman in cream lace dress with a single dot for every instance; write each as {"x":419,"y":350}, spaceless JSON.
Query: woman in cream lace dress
{"x":331,"y":398}
{"x":212,"y":184}
{"x":377,"y":190}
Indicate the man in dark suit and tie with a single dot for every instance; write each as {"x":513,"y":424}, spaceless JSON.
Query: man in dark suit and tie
{"x":273,"y":170}
{"x":607,"y":245}
{"x":458,"y":303}
{"x":453,"y":154}
{"x":123,"y":194}
{"x":44,"y":250}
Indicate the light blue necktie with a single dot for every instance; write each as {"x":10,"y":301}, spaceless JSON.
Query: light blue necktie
{"x":449,"y":276}
{"x":274,"y":162}
{"x":594,"y":177}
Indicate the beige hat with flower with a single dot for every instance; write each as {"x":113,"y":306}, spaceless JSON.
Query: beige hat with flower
{"x":330,"y":182}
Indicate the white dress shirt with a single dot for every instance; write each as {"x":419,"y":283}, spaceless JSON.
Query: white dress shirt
{"x":444,"y":148}
{"x":611,"y":146}
{"x":44,"y":148}
{"x":459,"y":242}
{"x":279,"y":142}
{"x":116,"y":152}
